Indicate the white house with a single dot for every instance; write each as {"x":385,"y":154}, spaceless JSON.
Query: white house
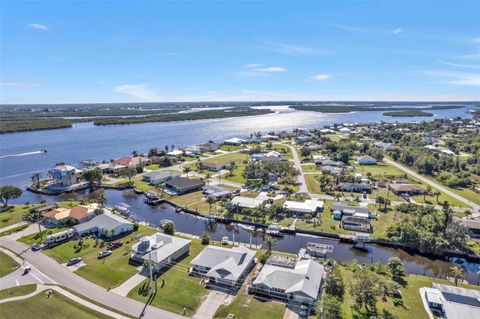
{"x":224,"y":266}
{"x":310,"y":206}
{"x":106,"y":224}
{"x":158,"y":177}
{"x":289,"y":280}
{"x":160,"y":249}
{"x":345,"y":130}
{"x":366,"y":160}
{"x":234,"y":141}
{"x":245,"y":202}
{"x":66,"y":175}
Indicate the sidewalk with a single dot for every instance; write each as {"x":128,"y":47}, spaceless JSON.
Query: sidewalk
{"x":131,"y":283}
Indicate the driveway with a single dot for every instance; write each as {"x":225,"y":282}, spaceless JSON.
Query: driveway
{"x":62,"y":276}
{"x":210,"y":305}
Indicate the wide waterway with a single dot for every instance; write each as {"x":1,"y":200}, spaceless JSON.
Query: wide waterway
{"x":191,"y":224}
{"x":19,"y":156}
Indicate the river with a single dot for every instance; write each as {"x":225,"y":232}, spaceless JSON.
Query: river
{"x":19,"y":156}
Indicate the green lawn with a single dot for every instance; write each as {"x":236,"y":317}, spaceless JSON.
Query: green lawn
{"x":308,"y":168}
{"x":384,"y":221}
{"x":313,"y":184}
{"x":227,"y":158}
{"x":468,"y":194}
{"x":180,"y":290}
{"x":412,"y":303}
{"x":17,"y":291}
{"x":443,"y":197}
{"x":379,"y":169}
{"x":56,"y":307}
{"x":13,"y":230}
{"x":7,"y":264}
{"x":14,"y":215}
{"x":248,"y":307}
{"x":108,"y":272}
{"x":230,"y":148}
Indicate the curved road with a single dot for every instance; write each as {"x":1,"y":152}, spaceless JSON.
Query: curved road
{"x":60,"y":275}
{"x":476,"y":207}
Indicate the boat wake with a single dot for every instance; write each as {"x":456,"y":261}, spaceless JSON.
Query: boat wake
{"x":23,"y":154}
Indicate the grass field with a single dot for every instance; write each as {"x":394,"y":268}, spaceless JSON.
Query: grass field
{"x":13,"y":230}
{"x":309,"y":168}
{"x":248,"y":307}
{"x":443,"y":197}
{"x":379,"y":169}
{"x":7,"y":264}
{"x":108,"y":272}
{"x":312,"y":184}
{"x":14,"y":215}
{"x":412,"y":303}
{"x":180,"y":290}
{"x":17,"y":291}
{"x":468,"y":194}
{"x":56,"y":307}
{"x":195,"y":201}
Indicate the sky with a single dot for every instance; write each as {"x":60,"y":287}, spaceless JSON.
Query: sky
{"x":146,"y":51}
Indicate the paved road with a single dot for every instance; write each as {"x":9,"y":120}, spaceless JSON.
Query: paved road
{"x":62,"y":276}
{"x":298,"y":166}
{"x":476,"y":207}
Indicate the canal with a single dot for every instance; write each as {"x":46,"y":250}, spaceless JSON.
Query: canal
{"x":187,"y":223}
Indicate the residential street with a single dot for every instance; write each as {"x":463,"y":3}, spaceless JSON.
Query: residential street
{"x":476,"y":207}
{"x":60,"y":275}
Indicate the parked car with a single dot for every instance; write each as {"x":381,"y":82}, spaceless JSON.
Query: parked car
{"x":104,"y":254}
{"x":26,"y":269}
{"x":74,"y":261}
{"x":114,"y":245}
{"x":36,"y":247}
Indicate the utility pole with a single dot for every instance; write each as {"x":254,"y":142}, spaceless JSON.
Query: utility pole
{"x":152,"y":284}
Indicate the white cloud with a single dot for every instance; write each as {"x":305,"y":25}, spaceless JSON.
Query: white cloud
{"x":291,"y":49}
{"x":476,"y":40}
{"x":458,"y":78}
{"x":19,"y":84}
{"x":321,"y":77}
{"x":397,"y":31}
{"x":470,"y":66}
{"x":257,"y":69}
{"x":38,"y":26}
{"x":137,"y":91}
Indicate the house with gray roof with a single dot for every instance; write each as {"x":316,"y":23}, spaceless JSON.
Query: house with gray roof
{"x":224,"y":266}
{"x":158,"y":177}
{"x":217,"y":193}
{"x":106,"y":224}
{"x":182,"y":185}
{"x":161,"y":250}
{"x":452,"y":302}
{"x":289,"y":280}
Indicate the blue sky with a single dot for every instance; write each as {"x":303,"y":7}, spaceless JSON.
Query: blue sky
{"x":62,"y":52}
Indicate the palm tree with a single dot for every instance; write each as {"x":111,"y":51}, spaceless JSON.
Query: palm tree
{"x":102,"y":199}
{"x":207,"y":176}
{"x":186,"y":170}
{"x":457,"y":273}
{"x":436,"y":194}
{"x":269,"y":242}
{"x":36,"y":180}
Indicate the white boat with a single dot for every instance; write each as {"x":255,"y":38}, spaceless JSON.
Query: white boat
{"x":247,"y":227}
{"x":274,"y":230}
{"x":224,"y":240}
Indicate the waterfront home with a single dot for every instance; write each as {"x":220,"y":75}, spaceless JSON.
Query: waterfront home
{"x":65,"y":175}
{"x":310,"y":206}
{"x":83,"y":213}
{"x":242,"y":202}
{"x":288,"y":280}
{"x":161,"y":250}
{"x":224,"y":266}
{"x":406,"y":189}
{"x":76,"y":214}
{"x":354,"y":187}
{"x":175,"y":153}
{"x":473,"y":226}
{"x":214,"y":166}
{"x":452,"y":302}
{"x":209,"y":147}
{"x":356,"y":224}
{"x":385,"y":146}
{"x":217,"y":193}
{"x":345,"y":131}
{"x":44,"y":209}
{"x":340,"y":210}
{"x":132,"y":161}
{"x":182,"y":185}
{"x":159,"y":177}
{"x":56,"y":216}
{"x":234,"y":141}
{"x":192,"y":151}
{"x":106,"y":224}
{"x":366,"y":160}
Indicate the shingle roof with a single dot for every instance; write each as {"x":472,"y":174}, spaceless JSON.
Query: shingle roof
{"x":305,"y":278}
{"x":225,"y":263}
{"x":103,"y":221}
{"x":183,"y":182}
{"x":159,"y":246}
